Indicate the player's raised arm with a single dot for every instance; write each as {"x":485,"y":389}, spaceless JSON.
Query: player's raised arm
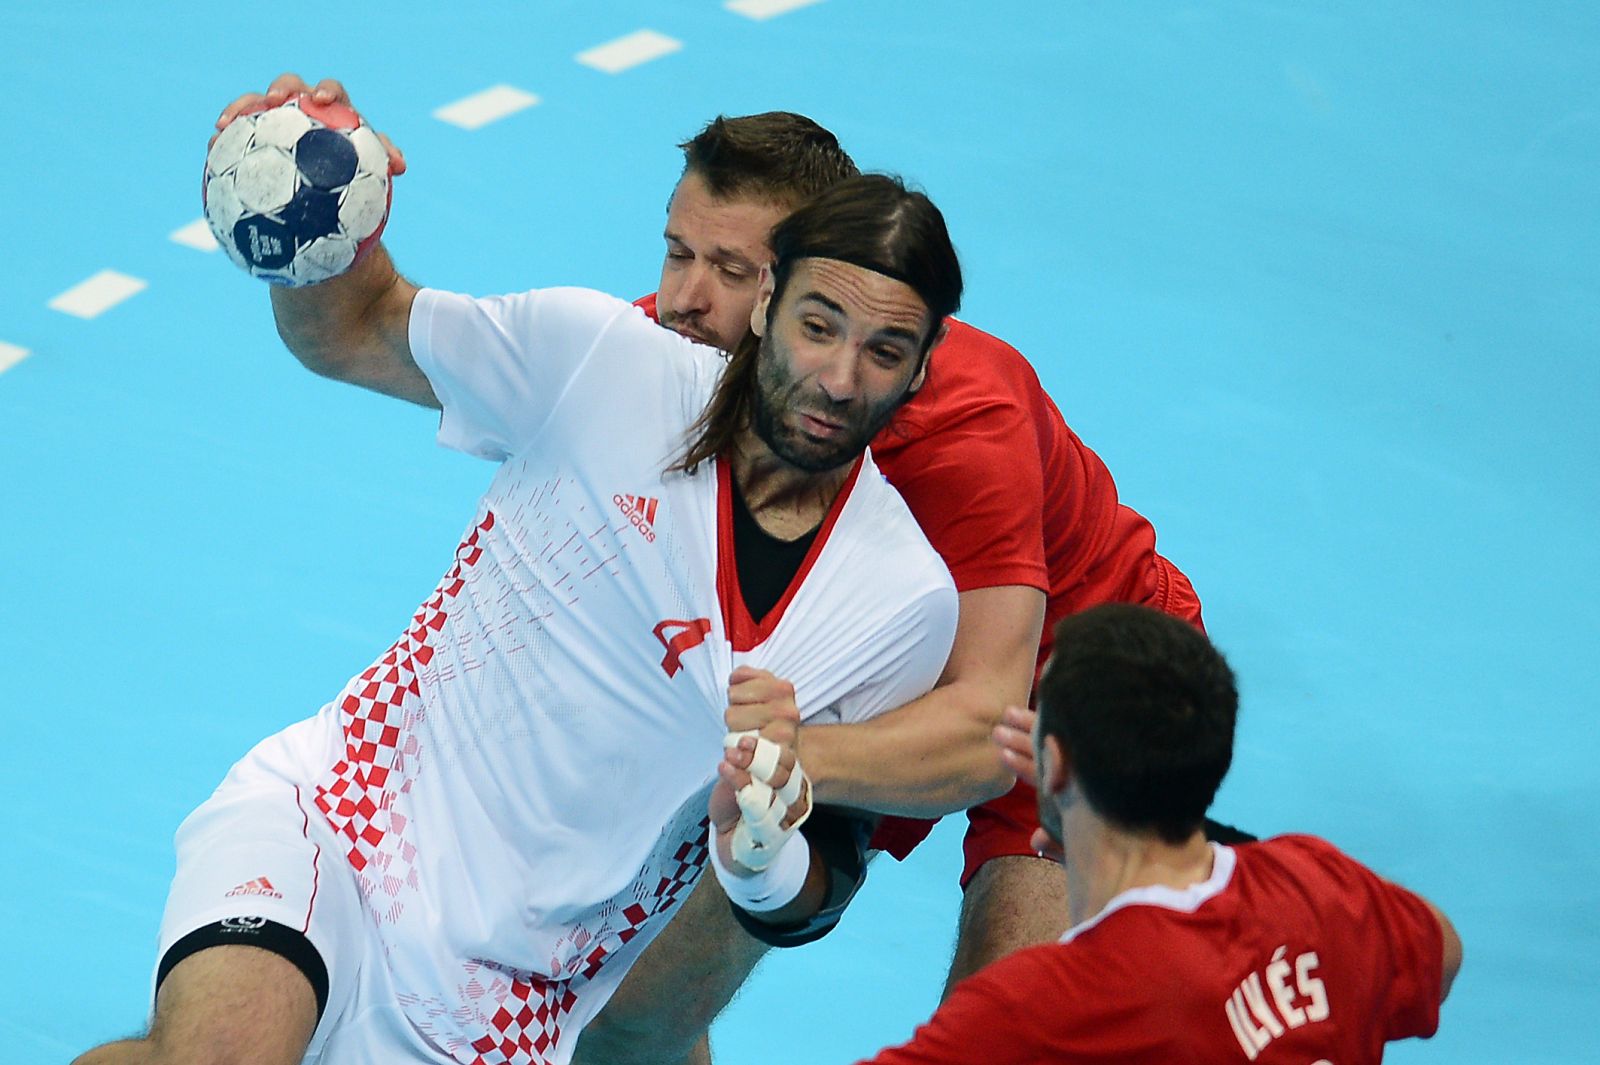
{"x":354,"y":329}
{"x":351,"y":327}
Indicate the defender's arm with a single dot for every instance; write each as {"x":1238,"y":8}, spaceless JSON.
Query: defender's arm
{"x":933,"y":755}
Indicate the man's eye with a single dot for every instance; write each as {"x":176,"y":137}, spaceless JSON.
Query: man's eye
{"x":678,"y":253}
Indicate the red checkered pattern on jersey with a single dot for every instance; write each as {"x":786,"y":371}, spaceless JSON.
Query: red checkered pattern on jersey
{"x":525,"y":1012}
{"x":378,"y":708}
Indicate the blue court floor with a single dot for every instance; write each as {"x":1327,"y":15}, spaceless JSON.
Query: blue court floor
{"x":1318,"y":280}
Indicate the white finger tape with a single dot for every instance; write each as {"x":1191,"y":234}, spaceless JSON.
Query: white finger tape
{"x":755,"y":800}
{"x":789,"y":794}
{"x":765,"y":760}
{"x":760,"y":834}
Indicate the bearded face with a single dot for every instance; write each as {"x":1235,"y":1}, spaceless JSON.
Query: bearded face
{"x":842,"y":349}
{"x":802,"y":424}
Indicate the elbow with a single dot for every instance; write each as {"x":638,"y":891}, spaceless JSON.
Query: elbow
{"x":991,"y":783}
{"x":317,"y":357}
{"x":977,"y":778}
{"x":1453,"y":956}
{"x":322,"y":358}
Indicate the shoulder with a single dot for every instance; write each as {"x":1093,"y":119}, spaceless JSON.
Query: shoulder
{"x":878,"y":545}
{"x":971,"y":367}
{"x":979,"y":390}
{"x":998,"y":1010}
{"x":564,"y":315}
{"x":1308,"y":868}
{"x":885,"y":526}
{"x":1033,"y":974}
{"x":540,"y":311}
{"x":572,"y":301}
{"x":1296,"y":852}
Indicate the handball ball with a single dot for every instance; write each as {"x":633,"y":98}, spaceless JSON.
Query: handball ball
{"x":297,"y":193}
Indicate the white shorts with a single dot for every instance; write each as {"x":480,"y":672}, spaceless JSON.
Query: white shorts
{"x":258,"y":849}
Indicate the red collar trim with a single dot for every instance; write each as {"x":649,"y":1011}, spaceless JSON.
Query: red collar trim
{"x":741,"y":628}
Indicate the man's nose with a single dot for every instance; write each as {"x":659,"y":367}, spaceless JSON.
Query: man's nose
{"x":839,"y":378}
{"x":694,"y":296}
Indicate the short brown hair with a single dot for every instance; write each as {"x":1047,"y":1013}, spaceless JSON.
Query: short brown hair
{"x":777,"y":157}
{"x":1145,"y":708}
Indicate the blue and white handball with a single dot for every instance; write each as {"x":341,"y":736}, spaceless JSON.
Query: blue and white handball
{"x":297,"y":193}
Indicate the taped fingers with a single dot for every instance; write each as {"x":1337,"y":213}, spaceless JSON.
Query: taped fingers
{"x":763,"y":810}
{"x":764,"y":761}
{"x":789,"y":794}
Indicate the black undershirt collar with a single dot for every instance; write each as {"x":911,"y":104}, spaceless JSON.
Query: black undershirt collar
{"x":766,"y":564}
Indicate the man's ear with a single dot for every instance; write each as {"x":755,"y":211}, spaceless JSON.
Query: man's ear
{"x":758,"y":313}
{"x":1055,"y":768}
{"x":922,"y":371}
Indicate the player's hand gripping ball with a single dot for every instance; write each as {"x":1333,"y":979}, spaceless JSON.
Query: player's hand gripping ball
{"x":297,"y":193}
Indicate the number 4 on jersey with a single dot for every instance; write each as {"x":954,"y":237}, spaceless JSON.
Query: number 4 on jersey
{"x":684,"y":636}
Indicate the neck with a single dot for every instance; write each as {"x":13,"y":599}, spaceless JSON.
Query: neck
{"x":785,"y":501}
{"x":1103,"y":861}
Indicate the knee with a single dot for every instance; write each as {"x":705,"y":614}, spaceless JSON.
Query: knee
{"x":629,"y":1041}
{"x":152,"y":1050}
{"x":122,"y":1052}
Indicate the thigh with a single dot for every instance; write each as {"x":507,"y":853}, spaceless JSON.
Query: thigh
{"x":236,"y":1004}
{"x":670,"y":996}
{"x":1011,"y":902}
{"x":263,"y":933}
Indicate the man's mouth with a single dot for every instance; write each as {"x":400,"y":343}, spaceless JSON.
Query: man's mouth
{"x":683,"y":329}
{"x":812,"y":425}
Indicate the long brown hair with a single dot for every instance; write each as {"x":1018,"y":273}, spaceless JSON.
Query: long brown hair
{"x":872,"y":221}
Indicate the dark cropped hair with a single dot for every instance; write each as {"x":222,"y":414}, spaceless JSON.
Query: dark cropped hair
{"x":777,"y":157}
{"x":1144,"y":707}
{"x":872,"y":221}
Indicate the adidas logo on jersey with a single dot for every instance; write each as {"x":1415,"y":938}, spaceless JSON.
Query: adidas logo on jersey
{"x":640,"y":511}
{"x":259,"y":886}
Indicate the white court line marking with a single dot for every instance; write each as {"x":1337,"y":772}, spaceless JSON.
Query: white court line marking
{"x":103,"y":291}
{"x":10,"y":355}
{"x":625,"y":53}
{"x":765,"y":9}
{"x":196,"y":235}
{"x":482,"y":108}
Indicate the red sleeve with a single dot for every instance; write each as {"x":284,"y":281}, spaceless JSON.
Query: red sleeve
{"x":992,"y":1017}
{"x":972,"y":474}
{"x":1402,"y":937}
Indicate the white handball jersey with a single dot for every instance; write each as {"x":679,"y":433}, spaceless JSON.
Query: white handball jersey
{"x":520,"y":781}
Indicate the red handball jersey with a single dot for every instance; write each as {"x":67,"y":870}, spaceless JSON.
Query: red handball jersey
{"x":1007,"y":494}
{"x":1290,"y":953}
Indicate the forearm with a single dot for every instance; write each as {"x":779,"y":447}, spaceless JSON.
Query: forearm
{"x":353,"y":328}
{"x":928,"y":758}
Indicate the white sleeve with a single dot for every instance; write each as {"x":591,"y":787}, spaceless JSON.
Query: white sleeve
{"x":500,"y":365}
{"x":911,"y":655}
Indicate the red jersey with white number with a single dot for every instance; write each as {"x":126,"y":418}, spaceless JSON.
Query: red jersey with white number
{"x":1289,"y":954}
{"x":520,"y":781}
